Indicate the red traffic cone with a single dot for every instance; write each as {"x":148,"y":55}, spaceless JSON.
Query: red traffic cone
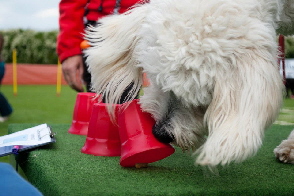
{"x":82,"y":113}
{"x":138,"y":143}
{"x":103,"y":137}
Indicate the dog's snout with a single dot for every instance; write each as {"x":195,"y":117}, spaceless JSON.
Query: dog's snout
{"x":160,"y":133}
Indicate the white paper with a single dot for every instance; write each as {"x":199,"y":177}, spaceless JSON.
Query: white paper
{"x":33,"y":136}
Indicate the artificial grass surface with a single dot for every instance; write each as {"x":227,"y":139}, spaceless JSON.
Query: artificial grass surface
{"x":38,"y":104}
{"x":286,"y":115}
{"x":61,"y":170}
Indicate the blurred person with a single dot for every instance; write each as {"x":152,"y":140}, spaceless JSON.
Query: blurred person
{"x":75,"y":16}
{"x":290,"y":87}
{"x":5,"y":107}
{"x":289,"y":78}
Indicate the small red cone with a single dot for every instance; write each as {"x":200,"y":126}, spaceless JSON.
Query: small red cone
{"x":103,"y":137}
{"x":82,"y":113}
{"x":138,"y":145}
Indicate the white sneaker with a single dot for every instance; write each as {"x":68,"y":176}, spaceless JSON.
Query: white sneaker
{"x":3,"y":119}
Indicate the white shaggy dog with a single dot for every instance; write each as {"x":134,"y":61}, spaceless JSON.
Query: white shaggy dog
{"x":215,"y":85}
{"x":285,"y":151}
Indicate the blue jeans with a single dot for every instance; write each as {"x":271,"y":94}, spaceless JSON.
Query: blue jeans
{"x":12,"y":184}
{"x":5,"y":107}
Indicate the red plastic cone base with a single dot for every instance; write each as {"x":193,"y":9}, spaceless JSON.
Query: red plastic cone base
{"x":78,"y":128}
{"x":103,"y":136}
{"x":140,"y":150}
{"x":138,"y":143}
{"x":82,"y":113}
{"x":100,"y":147}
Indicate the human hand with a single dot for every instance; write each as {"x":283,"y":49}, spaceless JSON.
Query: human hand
{"x":73,"y":69}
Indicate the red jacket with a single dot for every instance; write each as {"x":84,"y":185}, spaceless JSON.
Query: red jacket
{"x":72,"y":16}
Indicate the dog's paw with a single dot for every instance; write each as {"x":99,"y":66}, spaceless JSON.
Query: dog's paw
{"x":285,"y":151}
{"x":160,"y":133}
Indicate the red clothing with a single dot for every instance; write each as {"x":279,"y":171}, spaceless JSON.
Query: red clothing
{"x":71,"y":21}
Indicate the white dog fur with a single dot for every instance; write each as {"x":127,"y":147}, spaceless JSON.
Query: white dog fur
{"x":214,"y":80}
{"x":285,"y":151}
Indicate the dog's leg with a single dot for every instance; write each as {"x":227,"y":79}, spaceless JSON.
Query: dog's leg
{"x":285,"y":151}
{"x":246,"y":101}
{"x":174,"y":122}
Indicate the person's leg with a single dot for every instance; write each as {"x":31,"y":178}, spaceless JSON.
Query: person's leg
{"x":2,"y":70}
{"x":287,"y":88}
{"x":12,"y":184}
{"x":291,"y":86}
{"x":5,"y":107}
{"x":87,"y":76}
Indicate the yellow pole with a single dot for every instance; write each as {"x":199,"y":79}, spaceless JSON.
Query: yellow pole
{"x":14,"y":71}
{"x":58,"y":82}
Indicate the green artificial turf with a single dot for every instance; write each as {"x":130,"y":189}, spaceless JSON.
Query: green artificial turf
{"x":38,"y":104}
{"x":287,"y":112}
{"x":60,"y":169}
{"x":176,"y":175}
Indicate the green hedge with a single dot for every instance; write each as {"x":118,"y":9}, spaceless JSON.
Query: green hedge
{"x":289,"y":44}
{"x":40,"y":47}
{"x":31,"y":46}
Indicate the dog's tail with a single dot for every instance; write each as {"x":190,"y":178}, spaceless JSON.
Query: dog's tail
{"x":110,"y":58}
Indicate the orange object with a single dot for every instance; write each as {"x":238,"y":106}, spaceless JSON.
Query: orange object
{"x":146,"y":81}
{"x":84,"y":44}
